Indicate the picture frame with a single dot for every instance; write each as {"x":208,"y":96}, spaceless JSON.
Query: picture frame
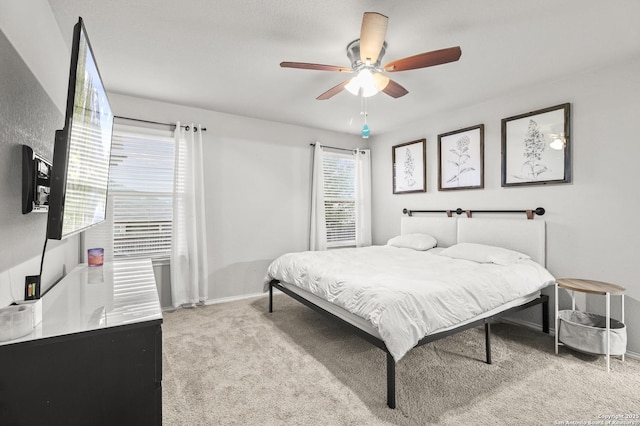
{"x":461,"y":159}
{"x":409,"y":162}
{"x":536,"y":148}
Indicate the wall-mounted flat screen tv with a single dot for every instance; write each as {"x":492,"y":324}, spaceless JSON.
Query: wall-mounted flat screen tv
{"x":80,"y":172}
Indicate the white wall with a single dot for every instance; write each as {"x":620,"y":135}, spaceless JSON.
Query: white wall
{"x":33,"y":113}
{"x":592,"y":228}
{"x":257,"y":179}
{"x":33,"y":31}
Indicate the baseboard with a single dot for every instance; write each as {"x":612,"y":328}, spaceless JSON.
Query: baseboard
{"x":221,"y":300}
{"x":552,"y":331}
{"x":528,"y":324}
{"x":234,"y":298}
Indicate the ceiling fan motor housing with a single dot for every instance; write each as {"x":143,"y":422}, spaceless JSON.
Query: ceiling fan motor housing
{"x":353,"y":53}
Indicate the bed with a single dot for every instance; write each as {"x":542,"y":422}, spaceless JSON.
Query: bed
{"x":406,"y":293}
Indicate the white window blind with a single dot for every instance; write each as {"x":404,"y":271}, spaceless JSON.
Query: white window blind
{"x":141,"y":192}
{"x":339,"y":199}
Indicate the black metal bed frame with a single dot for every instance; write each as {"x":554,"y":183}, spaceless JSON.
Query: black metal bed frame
{"x":391,"y":364}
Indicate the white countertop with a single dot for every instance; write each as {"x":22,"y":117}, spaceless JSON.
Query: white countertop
{"x":90,"y":298}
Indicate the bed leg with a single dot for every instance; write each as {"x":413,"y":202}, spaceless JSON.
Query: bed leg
{"x":391,"y":381}
{"x":545,"y":315}
{"x":270,"y":298}
{"x":487,"y":338}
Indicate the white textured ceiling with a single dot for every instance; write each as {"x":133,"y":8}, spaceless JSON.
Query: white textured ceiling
{"x":224,"y":55}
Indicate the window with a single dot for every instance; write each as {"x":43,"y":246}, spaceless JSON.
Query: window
{"x":339,"y":199}
{"x":141,"y":192}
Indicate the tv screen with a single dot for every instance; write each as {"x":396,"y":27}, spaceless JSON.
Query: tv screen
{"x":80,"y":171}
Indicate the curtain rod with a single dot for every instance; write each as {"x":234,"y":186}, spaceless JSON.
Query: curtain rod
{"x":195,"y":129}
{"x":335,"y":147}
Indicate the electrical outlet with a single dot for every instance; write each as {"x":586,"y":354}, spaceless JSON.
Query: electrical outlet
{"x":32,"y":287}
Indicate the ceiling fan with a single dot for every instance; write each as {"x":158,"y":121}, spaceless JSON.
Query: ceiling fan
{"x":365,"y":55}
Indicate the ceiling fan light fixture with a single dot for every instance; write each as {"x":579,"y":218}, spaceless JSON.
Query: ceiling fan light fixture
{"x":380,"y":81}
{"x":353,"y":87}
{"x":363,"y":84}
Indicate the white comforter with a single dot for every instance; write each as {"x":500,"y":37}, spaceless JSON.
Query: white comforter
{"x":407,"y":294}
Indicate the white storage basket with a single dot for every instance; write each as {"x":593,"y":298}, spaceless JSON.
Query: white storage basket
{"x":15,"y":321}
{"x":587,"y":332}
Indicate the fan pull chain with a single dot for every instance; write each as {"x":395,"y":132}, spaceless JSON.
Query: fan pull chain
{"x":363,"y":111}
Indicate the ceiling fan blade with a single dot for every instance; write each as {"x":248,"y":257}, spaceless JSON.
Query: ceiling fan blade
{"x":333,"y":91}
{"x":372,"y":34}
{"x":423,"y":60}
{"x":394,"y":90}
{"x":318,"y":67}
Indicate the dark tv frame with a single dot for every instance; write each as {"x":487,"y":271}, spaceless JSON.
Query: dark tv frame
{"x":59,"y":171}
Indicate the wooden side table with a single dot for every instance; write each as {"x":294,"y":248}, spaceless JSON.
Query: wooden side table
{"x":591,"y":287}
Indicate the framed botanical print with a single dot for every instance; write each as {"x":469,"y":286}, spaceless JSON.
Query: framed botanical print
{"x":461,"y":159}
{"x":409,"y":167}
{"x":536,"y":147}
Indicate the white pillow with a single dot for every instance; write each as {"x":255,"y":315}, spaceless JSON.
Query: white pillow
{"x":413,"y":241}
{"x":483,"y":253}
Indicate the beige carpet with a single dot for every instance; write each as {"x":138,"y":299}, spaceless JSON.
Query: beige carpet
{"x":236,"y":364}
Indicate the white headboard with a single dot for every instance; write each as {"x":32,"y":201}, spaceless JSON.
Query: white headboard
{"x":444,"y":229}
{"x":525,"y":236}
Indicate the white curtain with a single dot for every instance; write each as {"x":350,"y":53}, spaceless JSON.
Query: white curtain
{"x":189,"y":271}
{"x":318,"y":232}
{"x":363,"y":197}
